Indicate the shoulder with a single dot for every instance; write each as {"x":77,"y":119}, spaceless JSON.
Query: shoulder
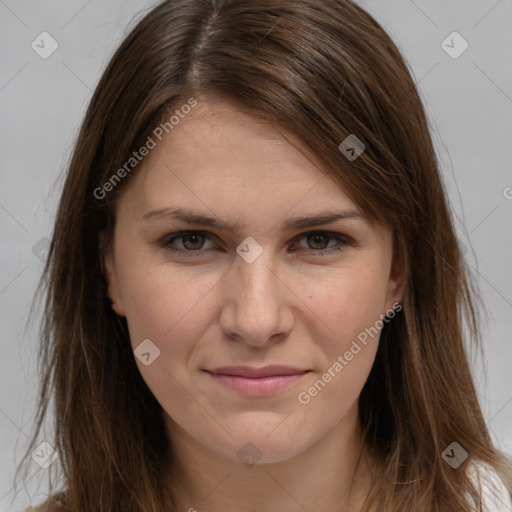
{"x":54,"y":503}
{"x":495,"y":495}
{"x":44,"y":507}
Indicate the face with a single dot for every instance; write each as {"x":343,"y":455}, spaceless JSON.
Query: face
{"x":283,"y":304}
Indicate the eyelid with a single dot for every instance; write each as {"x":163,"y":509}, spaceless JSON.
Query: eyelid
{"x":167,"y":239}
{"x":341,"y":238}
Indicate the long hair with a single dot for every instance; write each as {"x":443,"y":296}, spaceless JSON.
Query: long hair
{"x":323,"y":71}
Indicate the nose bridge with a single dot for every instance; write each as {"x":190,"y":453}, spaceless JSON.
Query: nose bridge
{"x":259,"y":309}
{"x":258,"y":281}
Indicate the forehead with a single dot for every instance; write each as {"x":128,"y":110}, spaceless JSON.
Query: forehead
{"x":222,"y":155}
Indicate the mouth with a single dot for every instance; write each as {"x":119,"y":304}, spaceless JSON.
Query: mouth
{"x":252,"y":381}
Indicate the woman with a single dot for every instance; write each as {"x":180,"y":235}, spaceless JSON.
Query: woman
{"x":255,"y":296}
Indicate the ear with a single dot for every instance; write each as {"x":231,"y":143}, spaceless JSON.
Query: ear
{"x":397,"y":281}
{"x":109,"y":271}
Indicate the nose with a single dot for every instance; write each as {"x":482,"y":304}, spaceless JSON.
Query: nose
{"x":258,"y":305}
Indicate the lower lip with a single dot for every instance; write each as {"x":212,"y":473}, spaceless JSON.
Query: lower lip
{"x":257,"y":386}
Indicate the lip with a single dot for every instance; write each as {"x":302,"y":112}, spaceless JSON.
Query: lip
{"x":251,"y":371}
{"x":252,"y":381}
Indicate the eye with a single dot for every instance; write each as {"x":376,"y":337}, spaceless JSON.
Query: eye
{"x":318,"y":242}
{"x":192,"y":242}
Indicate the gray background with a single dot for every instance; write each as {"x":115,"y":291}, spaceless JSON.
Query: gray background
{"x":468,"y":100}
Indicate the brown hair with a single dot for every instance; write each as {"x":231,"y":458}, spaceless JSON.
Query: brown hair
{"x":322,"y":71}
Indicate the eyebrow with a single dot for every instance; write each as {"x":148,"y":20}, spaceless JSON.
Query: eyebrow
{"x":199,"y":218}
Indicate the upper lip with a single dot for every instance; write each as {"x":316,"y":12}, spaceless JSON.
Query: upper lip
{"x":250,"y":371}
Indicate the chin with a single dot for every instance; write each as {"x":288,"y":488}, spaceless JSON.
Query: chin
{"x":263,"y":445}
{"x":253,"y":450}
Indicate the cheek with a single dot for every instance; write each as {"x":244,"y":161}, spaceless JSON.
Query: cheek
{"x":351,"y":309}
{"x":164,"y":304}
{"x":350,"y":302}
{"x":172,"y":310}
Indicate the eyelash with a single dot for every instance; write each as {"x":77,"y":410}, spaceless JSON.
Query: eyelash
{"x":169,"y":239}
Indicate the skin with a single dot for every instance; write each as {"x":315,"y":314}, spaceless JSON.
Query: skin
{"x":290,"y":306}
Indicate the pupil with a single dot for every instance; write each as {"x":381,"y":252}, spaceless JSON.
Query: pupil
{"x":318,"y":237}
{"x":187,"y":238}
